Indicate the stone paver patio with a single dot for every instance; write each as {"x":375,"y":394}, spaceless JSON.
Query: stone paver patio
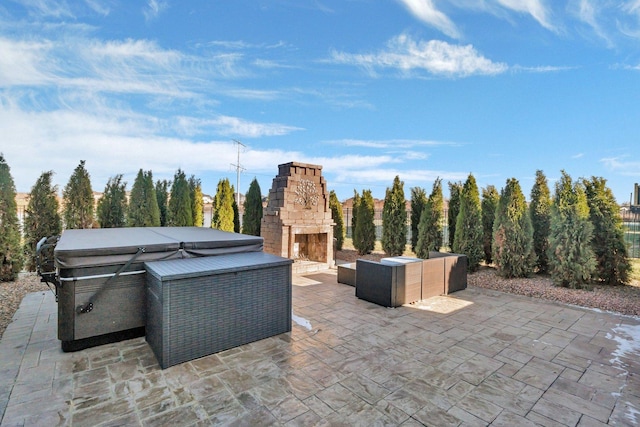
{"x":475,"y":358}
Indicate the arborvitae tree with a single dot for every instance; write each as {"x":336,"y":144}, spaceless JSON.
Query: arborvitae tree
{"x":77,"y":199}
{"x":180,"y":213}
{"x":540,"y":213}
{"x":513,"y":251}
{"x":143,"y":203}
{"x":112,"y":206}
{"x":338,"y":219}
{"x":223,"y":215}
{"x":394,"y":220}
{"x":455,"y":188}
{"x":42,"y":217}
{"x":354,"y":215}
{"x":430,"y":228}
{"x":490,"y":198}
{"x":468,"y":234}
{"x":572,"y":262}
{"x":11,"y":258}
{"x":418,"y":201}
{"x":608,"y":242}
{"x":252,"y":217}
{"x":197,"y":203}
{"x":162,"y":195}
{"x":365,"y":239}
{"x":236,"y":214}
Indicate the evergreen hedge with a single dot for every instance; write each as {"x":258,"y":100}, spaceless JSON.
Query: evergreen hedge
{"x":42,"y":217}
{"x":252,"y":218}
{"x":513,"y":251}
{"x":338,"y":219}
{"x":572,"y":262}
{"x":394,"y":220}
{"x":540,"y":213}
{"x":11,"y":256}
{"x":468,"y":232}
{"x":490,"y":199}
{"x":430,"y":227}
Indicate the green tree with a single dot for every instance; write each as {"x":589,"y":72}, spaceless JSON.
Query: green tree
{"x":223,"y":215}
{"x":430,"y":228}
{"x":418,"y":201}
{"x":197,"y":203}
{"x":162,"y":195}
{"x":513,"y":251}
{"x":365,"y":235}
{"x":354,"y":215}
{"x":468,"y":233}
{"x":252,"y":218}
{"x":180,"y":213}
{"x":143,"y":203}
{"x":540,"y":213}
{"x":455,"y":188}
{"x":490,"y":198}
{"x":11,"y":256}
{"x":236,"y":214}
{"x":77,"y":199}
{"x":572,"y":262}
{"x":338,"y":219}
{"x":394,"y":219}
{"x":42,"y":217}
{"x":608,"y":242}
{"x":112,"y":206}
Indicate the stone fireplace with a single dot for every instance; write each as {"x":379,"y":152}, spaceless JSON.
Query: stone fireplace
{"x":297,"y":221}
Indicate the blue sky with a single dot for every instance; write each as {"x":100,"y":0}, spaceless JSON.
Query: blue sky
{"x":369,"y":89}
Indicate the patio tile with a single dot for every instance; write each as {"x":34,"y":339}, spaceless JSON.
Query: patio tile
{"x":495,"y":358}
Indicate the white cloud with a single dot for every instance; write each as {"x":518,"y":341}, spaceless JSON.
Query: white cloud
{"x":47,"y":8}
{"x":154,"y":8}
{"x":434,"y":56}
{"x":391,"y":143}
{"x":536,"y":8}
{"x":578,"y":156}
{"x":621,"y":166}
{"x":427,"y":12}
{"x":233,"y":126}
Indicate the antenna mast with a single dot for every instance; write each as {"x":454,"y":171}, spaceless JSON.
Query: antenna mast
{"x":239,"y":168}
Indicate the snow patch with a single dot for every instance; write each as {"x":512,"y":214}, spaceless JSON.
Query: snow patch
{"x":301,"y":321}
{"x":628,"y":339}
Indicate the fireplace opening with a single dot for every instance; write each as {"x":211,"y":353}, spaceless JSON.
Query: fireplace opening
{"x":310,"y":247}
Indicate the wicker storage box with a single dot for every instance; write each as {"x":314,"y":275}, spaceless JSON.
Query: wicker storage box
{"x":347,"y":274}
{"x":390,"y":282}
{"x":455,"y":271}
{"x":200,"y":306}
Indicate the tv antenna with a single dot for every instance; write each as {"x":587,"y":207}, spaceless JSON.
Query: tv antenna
{"x":239,"y":168}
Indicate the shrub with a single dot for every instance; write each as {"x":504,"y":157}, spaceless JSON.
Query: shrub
{"x":468,"y":232}
{"x":223,"y":214}
{"x":430,"y":228}
{"x":77,"y":199}
{"x":490,"y":198}
{"x":112,"y":206}
{"x":418,"y":201}
{"x":608,"y":242}
{"x":11,"y":257}
{"x":338,"y":219}
{"x":513,"y":251}
{"x":197,"y":204}
{"x":180,"y":212}
{"x":162,"y":195}
{"x":394,"y":220}
{"x":251,"y":221}
{"x":455,"y":188}
{"x":365,"y":236}
{"x":540,"y":213}
{"x":572,"y":262}
{"x":143,"y":203}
